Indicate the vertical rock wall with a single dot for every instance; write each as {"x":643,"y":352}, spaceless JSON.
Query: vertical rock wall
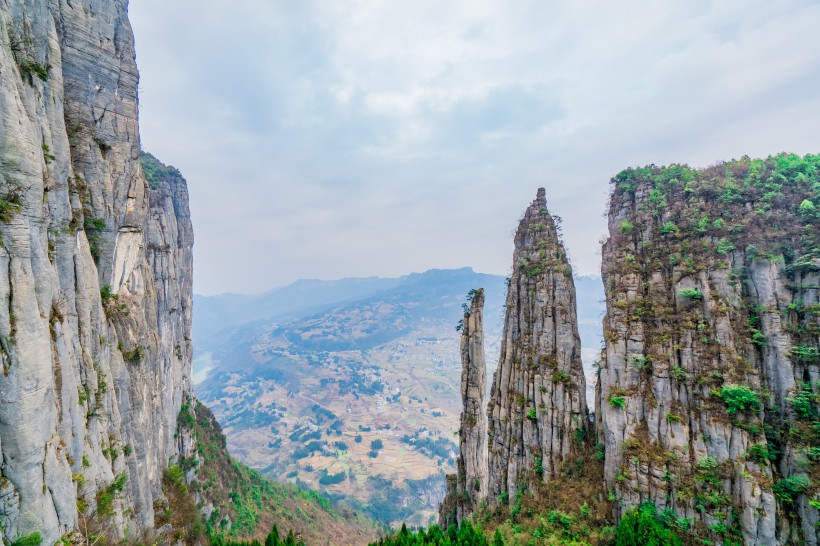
{"x":469,"y":485}
{"x":537,"y":408}
{"x":708,"y":390}
{"x":95,"y":277}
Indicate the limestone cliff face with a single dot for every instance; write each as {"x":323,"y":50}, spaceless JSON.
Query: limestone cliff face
{"x":707,"y":394}
{"x":469,"y":485}
{"x":95,"y":277}
{"x":537,"y":408}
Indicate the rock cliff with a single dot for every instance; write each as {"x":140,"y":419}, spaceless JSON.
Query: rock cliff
{"x":708,"y":394}
{"x":95,"y":289}
{"x":708,"y":390}
{"x":537,"y":412}
{"x":469,"y":485}
{"x":537,"y":408}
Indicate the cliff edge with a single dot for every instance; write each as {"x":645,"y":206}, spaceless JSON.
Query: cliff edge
{"x":95,"y":289}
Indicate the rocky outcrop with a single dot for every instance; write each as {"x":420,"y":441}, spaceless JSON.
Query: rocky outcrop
{"x":469,"y":485}
{"x":95,"y":278}
{"x":709,"y":386}
{"x":537,"y":407}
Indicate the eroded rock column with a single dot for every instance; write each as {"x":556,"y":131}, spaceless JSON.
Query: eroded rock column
{"x":466,"y":489}
{"x":537,"y":408}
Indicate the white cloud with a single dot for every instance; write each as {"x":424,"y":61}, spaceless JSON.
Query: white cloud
{"x":327,"y":139}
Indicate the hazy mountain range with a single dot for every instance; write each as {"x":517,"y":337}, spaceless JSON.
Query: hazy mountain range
{"x":351,"y":386}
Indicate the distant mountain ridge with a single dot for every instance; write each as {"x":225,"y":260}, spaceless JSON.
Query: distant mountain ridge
{"x":222,"y":312}
{"x":219,"y":317}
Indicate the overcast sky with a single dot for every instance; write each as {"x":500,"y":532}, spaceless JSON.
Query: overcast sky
{"x":327,"y":139}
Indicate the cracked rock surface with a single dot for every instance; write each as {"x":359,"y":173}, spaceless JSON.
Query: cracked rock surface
{"x":95,"y":275}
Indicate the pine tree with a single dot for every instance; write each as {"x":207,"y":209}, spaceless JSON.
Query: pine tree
{"x":273,"y":537}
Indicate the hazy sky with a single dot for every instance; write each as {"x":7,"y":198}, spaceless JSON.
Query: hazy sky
{"x":325,"y":139}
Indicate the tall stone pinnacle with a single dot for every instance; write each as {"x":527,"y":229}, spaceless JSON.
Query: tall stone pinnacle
{"x":537,"y":409}
{"x":469,"y":485}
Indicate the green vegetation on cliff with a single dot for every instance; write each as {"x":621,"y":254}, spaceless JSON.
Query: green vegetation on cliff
{"x":714,"y":276}
{"x":758,"y":206}
{"x":154,"y":170}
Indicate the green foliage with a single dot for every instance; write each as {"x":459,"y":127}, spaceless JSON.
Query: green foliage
{"x":658,"y":199}
{"x":10,"y":206}
{"x":326,"y":478}
{"x":558,"y":376}
{"x":802,"y":353}
{"x":186,"y":419}
{"x":94,"y":228}
{"x":804,"y":402}
{"x":739,"y":398}
{"x":724,"y":246}
{"x":532,"y":415}
{"x":702,"y":225}
{"x":106,"y":294}
{"x":465,"y":535}
{"x":33,"y":539}
{"x":642,"y":363}
{"x":376,"y":444}
{"x":760,"y":454}
{"x":155,"y":171}
{"x":107,"y":495}
{"x":641,"y":526}
{"x":532,"y":270}
{"x":272,"y":539}
{"x":617,"y":401}
{"x":474,"y":292}
{"x":759,"y":338}
{"x":678,"y":373}
{"x":673,"y":418}
{"x":669,"y":227}
{"x":48,"y":157}
{"x":691,"y":293}
{"x":788,"y":489}
{"x":626,"y":227}
{"x":30,"y":68}
{"x":133,"y":355}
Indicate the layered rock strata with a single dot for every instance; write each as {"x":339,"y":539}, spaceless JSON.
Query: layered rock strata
{"x":708,"y":391}
{"x":95,"y":278}
{"x":468,"y":486}
{"x":537,"y":406}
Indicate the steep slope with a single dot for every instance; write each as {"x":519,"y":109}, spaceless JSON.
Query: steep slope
{"x":95,"y":289}
{"x":237,"y":502}
{"x":537,"y":407}
{"x":707,"y":398}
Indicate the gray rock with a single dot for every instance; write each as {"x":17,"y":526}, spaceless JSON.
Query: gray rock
{"x":85,"y":379}
{"x":537,"y":408}
{"x":469,"y":486}
{"x":678,"y":333}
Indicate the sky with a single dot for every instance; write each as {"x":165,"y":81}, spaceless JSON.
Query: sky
{"x":330,"y":139}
